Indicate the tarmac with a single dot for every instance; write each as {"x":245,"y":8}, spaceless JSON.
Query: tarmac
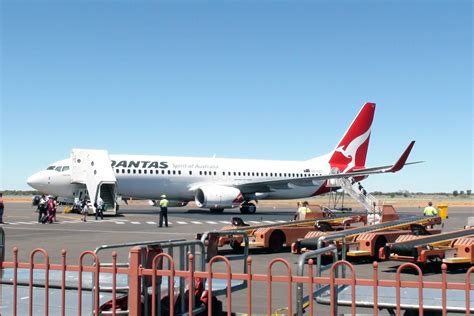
{"x":139,"y":223}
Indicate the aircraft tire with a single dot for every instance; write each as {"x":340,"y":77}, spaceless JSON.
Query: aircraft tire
{"x":216,"y":210}
{"x":248,"y":208}
{"x":251,"y":208}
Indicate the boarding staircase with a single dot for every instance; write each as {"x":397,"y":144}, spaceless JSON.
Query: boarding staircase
{"x":93,"y":169}
{"x":367,"y":200}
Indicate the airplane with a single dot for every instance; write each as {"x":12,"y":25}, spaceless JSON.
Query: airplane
{"x":222,"y":183}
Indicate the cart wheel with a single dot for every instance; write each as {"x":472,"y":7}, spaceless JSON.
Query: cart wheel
{"x":277,"y":239}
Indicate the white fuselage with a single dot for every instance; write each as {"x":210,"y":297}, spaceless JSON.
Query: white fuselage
{"x":147,"y":177}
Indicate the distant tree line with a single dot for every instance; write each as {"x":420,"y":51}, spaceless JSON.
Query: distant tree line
{"x":19,"y":192}
{"x":406,"y":193}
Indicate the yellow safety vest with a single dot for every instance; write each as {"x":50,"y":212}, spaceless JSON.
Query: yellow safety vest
{"x":164,"y":203}
{"x":430,"y":211}
{"x":304,"y":210}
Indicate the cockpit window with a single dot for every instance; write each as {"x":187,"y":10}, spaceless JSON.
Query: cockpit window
{"x":58,"y":168}
{"x":65,"y":168}
{"x":51,"y":168}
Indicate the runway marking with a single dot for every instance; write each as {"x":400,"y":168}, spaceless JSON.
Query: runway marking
{"x":224,"y":222}
{"x":135,"y":223}
{"x":254,"y":222}
{"x":211,"y":222}
{"x":151,"y":223}
{"x":120,"y":223}
{"x":182,"y":223}
{"x":102,"y":231}
{"x":281,"y":221}
{"x":198,"y":223}
{"x":269,"y":222}
{"x":26,"y":223}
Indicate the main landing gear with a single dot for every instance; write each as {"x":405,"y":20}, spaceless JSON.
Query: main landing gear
{"x":248,"y":208}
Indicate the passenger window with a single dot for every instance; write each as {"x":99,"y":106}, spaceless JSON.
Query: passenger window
{"x":228,"y":173}
{"x":266,"y":174}
{"x":145,"y":171}
{"x":174,"y":171}
{"x":117,"y":170}
{"x":123,"y":170}
{"x":243,"y":173}
{"x":205,"y":173}
{"x":179,"y":171}
{"x":253,"y":174}
{"x":239,"y":173}
{"x":271,"y":174}
{"x":190,"y":173}
{"x":162,"y":172}
{"x":234,"y":174}
{"x":128,"y":170}
{"x":169,"y":171}
{"x":257,"y":174}
{"x":134,"y":171}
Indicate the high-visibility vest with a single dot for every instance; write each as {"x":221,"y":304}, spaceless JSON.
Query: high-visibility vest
{"x":304,"y":210}
{"x":164,"y":203}
{"x":430,"y":211}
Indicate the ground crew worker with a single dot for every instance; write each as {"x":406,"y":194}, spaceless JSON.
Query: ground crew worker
{"x":2,"y":208}
{"x":42,"y":208}
{"x":303,"y":210}
{"x":163,"y":210}
{"x":430,"y":210}
{"x":99,"y":208}
{"x":297,"y":214}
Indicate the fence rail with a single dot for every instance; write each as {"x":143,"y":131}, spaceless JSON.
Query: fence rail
{"x":198,"y":300}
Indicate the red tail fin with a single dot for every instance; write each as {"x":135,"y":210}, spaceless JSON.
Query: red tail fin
{"x":352,"y":148}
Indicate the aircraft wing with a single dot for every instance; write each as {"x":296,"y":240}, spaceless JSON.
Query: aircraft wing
{"x":272,"y":185}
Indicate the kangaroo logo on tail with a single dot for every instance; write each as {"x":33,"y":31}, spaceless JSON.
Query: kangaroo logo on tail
{"x":352,"y":149}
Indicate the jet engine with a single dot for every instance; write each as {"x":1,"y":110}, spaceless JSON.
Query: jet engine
{"x":218,"y":197}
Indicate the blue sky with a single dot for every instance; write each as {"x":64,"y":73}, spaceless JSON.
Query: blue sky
{"x":244,"y":79}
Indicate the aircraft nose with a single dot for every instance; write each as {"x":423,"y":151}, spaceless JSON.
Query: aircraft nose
{"x":36,"y":181}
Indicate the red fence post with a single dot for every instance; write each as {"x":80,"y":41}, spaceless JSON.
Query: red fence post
{"x":63,"y":282}
{"x":376,"y":288}
{"x":468,"y":290}
{"x":134,"y":283}
{"x":311,"y":285}
{"x":114,"y":283}
{"x":444,"y":281}
{"x":249,"y":286}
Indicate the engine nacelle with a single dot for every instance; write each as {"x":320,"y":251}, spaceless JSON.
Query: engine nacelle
{"x":218,"y":196}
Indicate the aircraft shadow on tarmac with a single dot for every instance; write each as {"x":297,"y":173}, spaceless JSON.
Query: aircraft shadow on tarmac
{"x":202,"y":212}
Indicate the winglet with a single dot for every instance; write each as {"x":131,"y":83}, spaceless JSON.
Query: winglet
{"x":403,"y":159}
